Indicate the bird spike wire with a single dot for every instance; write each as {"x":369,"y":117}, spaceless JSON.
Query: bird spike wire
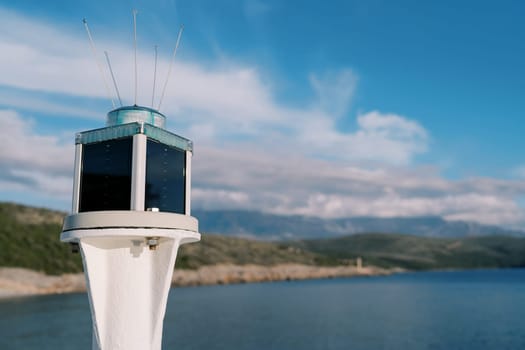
{"x":171,"y":64}
{"x":135,"y":45}
{"x":94,"y":51}
{"x":154,"y":78}
{"x":113,"y":77}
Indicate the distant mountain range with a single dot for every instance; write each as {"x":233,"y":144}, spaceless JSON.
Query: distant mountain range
{"x":29,"y":238}
{"x":264,"y":226}
{"x":280,"y":227}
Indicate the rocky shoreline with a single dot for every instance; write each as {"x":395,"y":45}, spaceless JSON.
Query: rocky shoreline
{"x":18,"y":282}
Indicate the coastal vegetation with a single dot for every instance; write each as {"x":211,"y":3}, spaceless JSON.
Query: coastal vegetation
{"x":422,"y":253}
{"x":29,"y":238}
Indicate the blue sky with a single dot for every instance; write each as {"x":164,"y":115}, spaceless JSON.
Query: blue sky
{"x":340,"y":108}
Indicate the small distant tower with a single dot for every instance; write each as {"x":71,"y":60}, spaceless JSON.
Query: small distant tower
{"x":130,"y":213}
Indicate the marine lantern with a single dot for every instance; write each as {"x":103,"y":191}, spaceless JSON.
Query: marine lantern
{"x":130,"y":214}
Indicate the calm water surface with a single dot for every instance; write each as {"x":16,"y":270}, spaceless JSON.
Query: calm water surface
{"x":435,"y":310}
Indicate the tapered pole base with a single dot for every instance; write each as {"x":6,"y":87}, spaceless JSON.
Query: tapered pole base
{"x":128,"y":274}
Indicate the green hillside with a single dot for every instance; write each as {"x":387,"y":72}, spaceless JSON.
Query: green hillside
{"x":215,"y":249}
{"x":412,"y":252}
{"x":29,"y":237}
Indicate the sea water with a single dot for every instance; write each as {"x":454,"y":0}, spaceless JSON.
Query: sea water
{"x":426,"y":310}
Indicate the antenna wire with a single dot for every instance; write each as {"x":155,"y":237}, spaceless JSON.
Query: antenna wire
{"x":135,"y":44}
{"x":94,"y":51}
{"x":154,"y":78}
{"x":113,"y":77}
{"x":171,"y":64}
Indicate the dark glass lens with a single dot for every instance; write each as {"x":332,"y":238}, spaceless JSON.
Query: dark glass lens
{"x":165,"y":178}
{"x":105,"y":182}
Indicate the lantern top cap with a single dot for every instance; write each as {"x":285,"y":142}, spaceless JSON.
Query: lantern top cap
{"x":131,"y":114}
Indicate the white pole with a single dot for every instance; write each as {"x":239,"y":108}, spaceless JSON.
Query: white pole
{"x":128,"y":275}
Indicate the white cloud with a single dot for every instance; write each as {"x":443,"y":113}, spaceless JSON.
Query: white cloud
{"x":386,"y":138}
{"x":390,"y":125}
{"x":33,"y":162}
{"x":330,"y":189}
{"x":210,"y":197}
{"x":250,"y":178}
{"x":518,"y":172}
{"x":16,"y":99}
{"x":397,"y":137}
{"x":230,"y":99}
{"x":335,"y":90}
{"x":23,"y":148}
{"x":251,"y":151}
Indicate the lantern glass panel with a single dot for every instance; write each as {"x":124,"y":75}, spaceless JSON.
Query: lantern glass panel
{"x":105,"y":181}
{"x":165,"y":178}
